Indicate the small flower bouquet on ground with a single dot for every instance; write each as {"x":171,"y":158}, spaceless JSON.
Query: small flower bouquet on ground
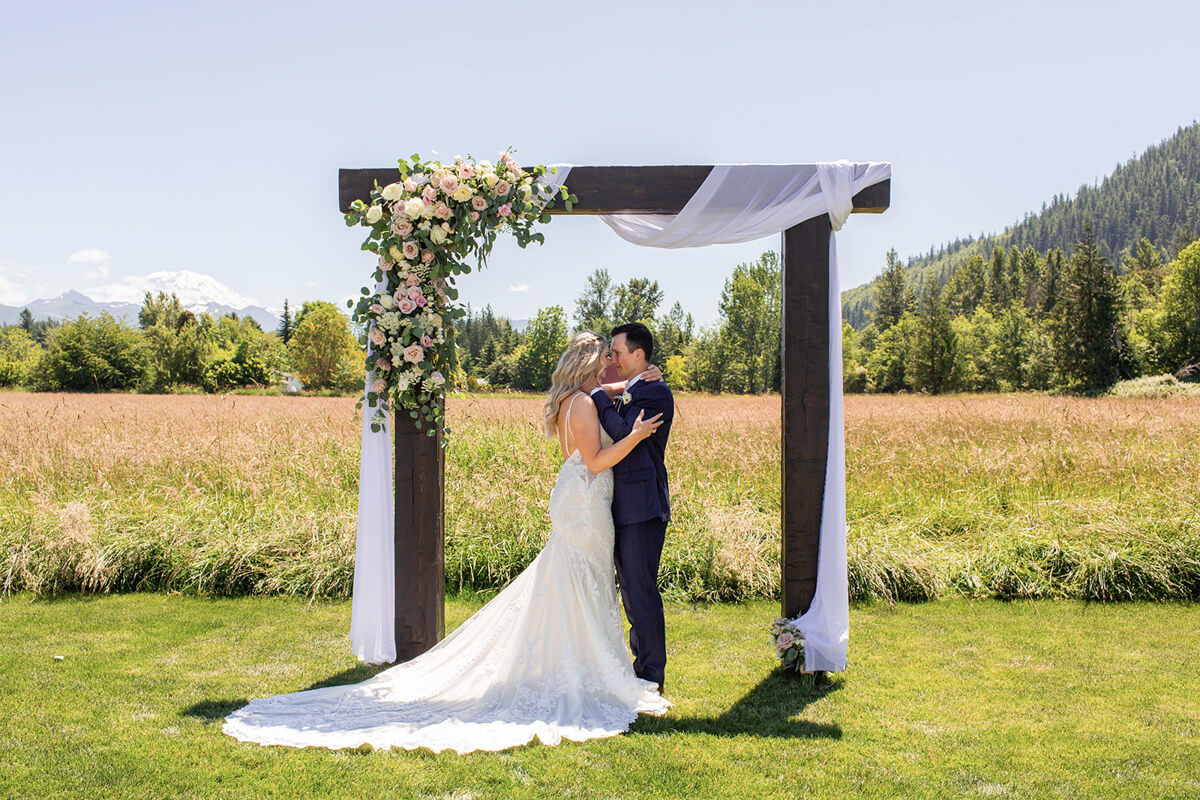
{"x":789,"y":645}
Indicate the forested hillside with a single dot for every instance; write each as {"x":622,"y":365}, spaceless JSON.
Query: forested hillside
{"x":1155,"y":196}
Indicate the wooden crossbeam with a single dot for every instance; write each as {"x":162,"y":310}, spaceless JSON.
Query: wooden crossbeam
{"x":420,"y":467}
{"x":611,"y":190}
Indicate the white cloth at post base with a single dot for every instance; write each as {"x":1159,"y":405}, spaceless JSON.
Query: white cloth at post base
{"x":373,"y":613}
{"x":739,"y":203}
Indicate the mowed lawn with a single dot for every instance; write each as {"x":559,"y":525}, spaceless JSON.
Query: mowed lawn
{"x":952,"y":698}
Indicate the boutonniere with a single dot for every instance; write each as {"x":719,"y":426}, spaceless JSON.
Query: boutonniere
{"x":624,"y":398}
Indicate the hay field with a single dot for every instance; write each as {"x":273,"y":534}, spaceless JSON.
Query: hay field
{"x":1008,"y":496}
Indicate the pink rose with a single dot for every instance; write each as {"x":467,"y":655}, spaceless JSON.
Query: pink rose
{"x":504,"y":210}
{"x":465,"y":172}
{"x":409,"y":186}
{"x":502,"y":188}
{"x":475,"y":216}
{"x":426,"y":340}
{"x":426,"y":256}
{"x":429,"y":195}
{"x":378,"y":385}
{"x":449,"y":184}
{"x":413,"y":354}
{"x":376,"y":309}
{"x":383,"y":364}
{"x":414,"y":292}
{"x":377,"y":336}
{"x":442,"y":211}
{"x":785,"y":639}
{"x":413,"y":280}
{"x":407,"y":306}
{"x":402,"y":227}
{"x":421,"y":301}
{"x":478,"y":203}
{"x":411,"y":250}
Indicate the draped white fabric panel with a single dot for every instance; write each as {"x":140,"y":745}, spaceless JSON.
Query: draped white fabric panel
{"x":739,"y":203}
{"x":373,"y":611}
{"x":742,"y":202}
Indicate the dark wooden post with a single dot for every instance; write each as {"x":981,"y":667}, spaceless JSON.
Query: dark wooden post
{"x":805,"y":406}
{"x":420,"y":485}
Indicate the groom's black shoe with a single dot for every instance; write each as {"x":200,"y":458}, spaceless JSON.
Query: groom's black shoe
{"x":662,"y":688}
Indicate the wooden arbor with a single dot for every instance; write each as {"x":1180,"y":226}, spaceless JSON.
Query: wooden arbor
{"x":420,"y":465}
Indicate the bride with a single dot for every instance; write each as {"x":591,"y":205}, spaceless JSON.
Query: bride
{"x":544,"y":658}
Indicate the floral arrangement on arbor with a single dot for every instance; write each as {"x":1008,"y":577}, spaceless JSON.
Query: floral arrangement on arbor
{"x":788,"y":642}
{"x":424,"y":228}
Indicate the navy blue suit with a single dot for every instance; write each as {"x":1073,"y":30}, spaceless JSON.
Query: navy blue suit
{"x":641,"y":509}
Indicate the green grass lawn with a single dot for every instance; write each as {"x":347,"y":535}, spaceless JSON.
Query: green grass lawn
{"x":953,"y":698}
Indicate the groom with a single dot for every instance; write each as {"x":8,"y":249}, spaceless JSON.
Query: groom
{"x":641,"y":506}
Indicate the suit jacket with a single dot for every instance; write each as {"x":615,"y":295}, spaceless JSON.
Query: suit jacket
{"x":640,"y":479}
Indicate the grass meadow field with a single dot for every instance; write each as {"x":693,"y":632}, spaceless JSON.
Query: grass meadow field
{"x":114,"y":686}
{"x":976,"y":496}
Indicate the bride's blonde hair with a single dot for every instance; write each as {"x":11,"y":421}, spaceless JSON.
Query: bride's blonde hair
{"x":576,"y":366}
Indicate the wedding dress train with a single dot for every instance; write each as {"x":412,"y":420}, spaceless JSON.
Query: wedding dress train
{"x":545,"y":658}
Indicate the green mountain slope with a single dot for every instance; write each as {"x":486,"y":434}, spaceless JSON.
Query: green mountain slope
{"x":1155,"y":195}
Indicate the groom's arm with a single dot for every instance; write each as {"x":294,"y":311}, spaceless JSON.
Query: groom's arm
{"x":655,"y":399}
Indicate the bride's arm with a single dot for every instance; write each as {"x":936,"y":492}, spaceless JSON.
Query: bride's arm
{"x":651,"y":374}
{"x":585,"y":430}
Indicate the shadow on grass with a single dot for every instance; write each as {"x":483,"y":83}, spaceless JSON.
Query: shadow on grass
{"x":765,"y":711}
{"x":215,"y":711}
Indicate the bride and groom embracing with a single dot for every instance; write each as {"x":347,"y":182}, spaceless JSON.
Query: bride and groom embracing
{"x":545,"y":657}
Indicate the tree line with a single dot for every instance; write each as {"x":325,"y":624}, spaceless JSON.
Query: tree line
{"x":740,"y":353}
{"x":1019,"y":320}
{"x":171,"y":347}
{"x":1024,"y":320}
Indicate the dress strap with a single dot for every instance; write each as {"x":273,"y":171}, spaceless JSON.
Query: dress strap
{"x":567,"y":424}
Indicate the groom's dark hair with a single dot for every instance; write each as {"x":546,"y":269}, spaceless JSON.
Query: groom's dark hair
{"x":638,"y":336}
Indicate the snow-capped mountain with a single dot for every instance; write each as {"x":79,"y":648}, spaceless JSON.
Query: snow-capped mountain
{"x":201,"y":294}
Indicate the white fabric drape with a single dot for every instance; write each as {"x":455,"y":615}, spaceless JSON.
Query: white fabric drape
{"x":739,"y":203}
{"x":372,"y":611}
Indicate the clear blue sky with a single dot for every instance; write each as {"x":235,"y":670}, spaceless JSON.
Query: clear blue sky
{"x":208,"y":136}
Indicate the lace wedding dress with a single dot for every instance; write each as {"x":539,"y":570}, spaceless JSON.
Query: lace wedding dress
{"x":545,"y":658}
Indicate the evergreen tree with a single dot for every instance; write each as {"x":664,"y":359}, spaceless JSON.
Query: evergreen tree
{"x":285,"y":323}
{"x":27,"y":321}
{"x":674,"y":333}
{"x":932,"y":363}
{"x":890,"y":300}
{"x":967,"y":286}
{"x":1085,"y":329}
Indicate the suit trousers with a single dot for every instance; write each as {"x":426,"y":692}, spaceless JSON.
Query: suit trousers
{"x":637,"y":552}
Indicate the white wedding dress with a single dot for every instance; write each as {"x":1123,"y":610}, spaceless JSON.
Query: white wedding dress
{"x":545,"y":658}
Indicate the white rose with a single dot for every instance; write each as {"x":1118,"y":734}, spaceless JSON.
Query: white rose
{"x":490,"y":179}
{"x":463,"y":193}
{"x":427,"y":210}
{"x":374,"y":214}
{"x":385,"y":300}
{"x":437,"y":235}
{"x":414,"y":208}
{"x":393,"y":191}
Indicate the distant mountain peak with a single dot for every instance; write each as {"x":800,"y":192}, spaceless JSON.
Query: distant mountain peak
{"x":192,"y":289}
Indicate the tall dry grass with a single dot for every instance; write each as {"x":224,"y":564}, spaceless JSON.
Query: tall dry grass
{"x":1009,"y":496}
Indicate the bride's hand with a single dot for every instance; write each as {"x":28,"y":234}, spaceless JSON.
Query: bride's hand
{"x":642,"y":428}
{"x":652,"y":373}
